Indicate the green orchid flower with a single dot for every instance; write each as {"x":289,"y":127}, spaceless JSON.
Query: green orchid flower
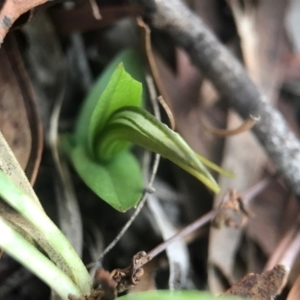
{"x":111,"y":120}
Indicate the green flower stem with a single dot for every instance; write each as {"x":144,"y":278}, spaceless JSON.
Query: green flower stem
{"x":25,"y":253}
{"x":16,"y":198}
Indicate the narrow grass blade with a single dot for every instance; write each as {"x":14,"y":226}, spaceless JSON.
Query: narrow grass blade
{"x":17,"y":199}
{"x":25,"y":253}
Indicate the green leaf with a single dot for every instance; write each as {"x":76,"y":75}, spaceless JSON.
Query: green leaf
{"x":167,"y":295}
{"x":138,"y":126}
{"x":133,"y":64}
{"x":99,"y":151}
{"x":25,"y":253}
{"x":214,"y":167}
{"x":121,"y":91}
{"x":47,"y":232}
{"x":118,"y":182}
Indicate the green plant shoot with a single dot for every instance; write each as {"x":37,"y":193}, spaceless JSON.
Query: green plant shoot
{"x":175,"y":295}
{"x":99,"y":149}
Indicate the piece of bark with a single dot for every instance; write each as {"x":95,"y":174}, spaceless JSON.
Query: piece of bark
{"x":263,"y":286}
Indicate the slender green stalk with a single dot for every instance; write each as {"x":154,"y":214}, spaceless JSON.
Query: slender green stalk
{"x":25,"y":253}
{"x":16,"y":198}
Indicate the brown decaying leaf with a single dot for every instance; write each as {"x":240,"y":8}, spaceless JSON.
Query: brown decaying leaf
{"x":275,"y":211}
{"x":19,"y":121}
{"x":12,"y":10}
{"x":263,"y":286}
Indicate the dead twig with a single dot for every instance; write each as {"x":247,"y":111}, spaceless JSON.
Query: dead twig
{"x":231,"y":80}
{"x":186,"y":231}
{"x":163,"y":99}
{"x":245,"y":126}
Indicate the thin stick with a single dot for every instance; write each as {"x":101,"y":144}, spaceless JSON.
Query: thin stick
{"x":95,"y":10}
{"x":163,"y":99}
{"x":256,"y":189}
{"x":168,"y":111}
{"x":245,"y":126}
{"x":187,"y":230}
{"x":248,"y":194}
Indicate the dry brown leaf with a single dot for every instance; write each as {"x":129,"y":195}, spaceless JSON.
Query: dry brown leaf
{"x":275,"y":211}
{"x":11,"y":10}
{"x":263,"y":286}
{"x":18,"y":116}
{"x":177,"y":253}
{"x":147,"y":282}
{"x":107,"y":284}
{"x":294,"y":293}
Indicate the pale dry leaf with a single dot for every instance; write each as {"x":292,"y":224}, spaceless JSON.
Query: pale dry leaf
{"x":275,"y":211}
{"x":177,"y":253}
